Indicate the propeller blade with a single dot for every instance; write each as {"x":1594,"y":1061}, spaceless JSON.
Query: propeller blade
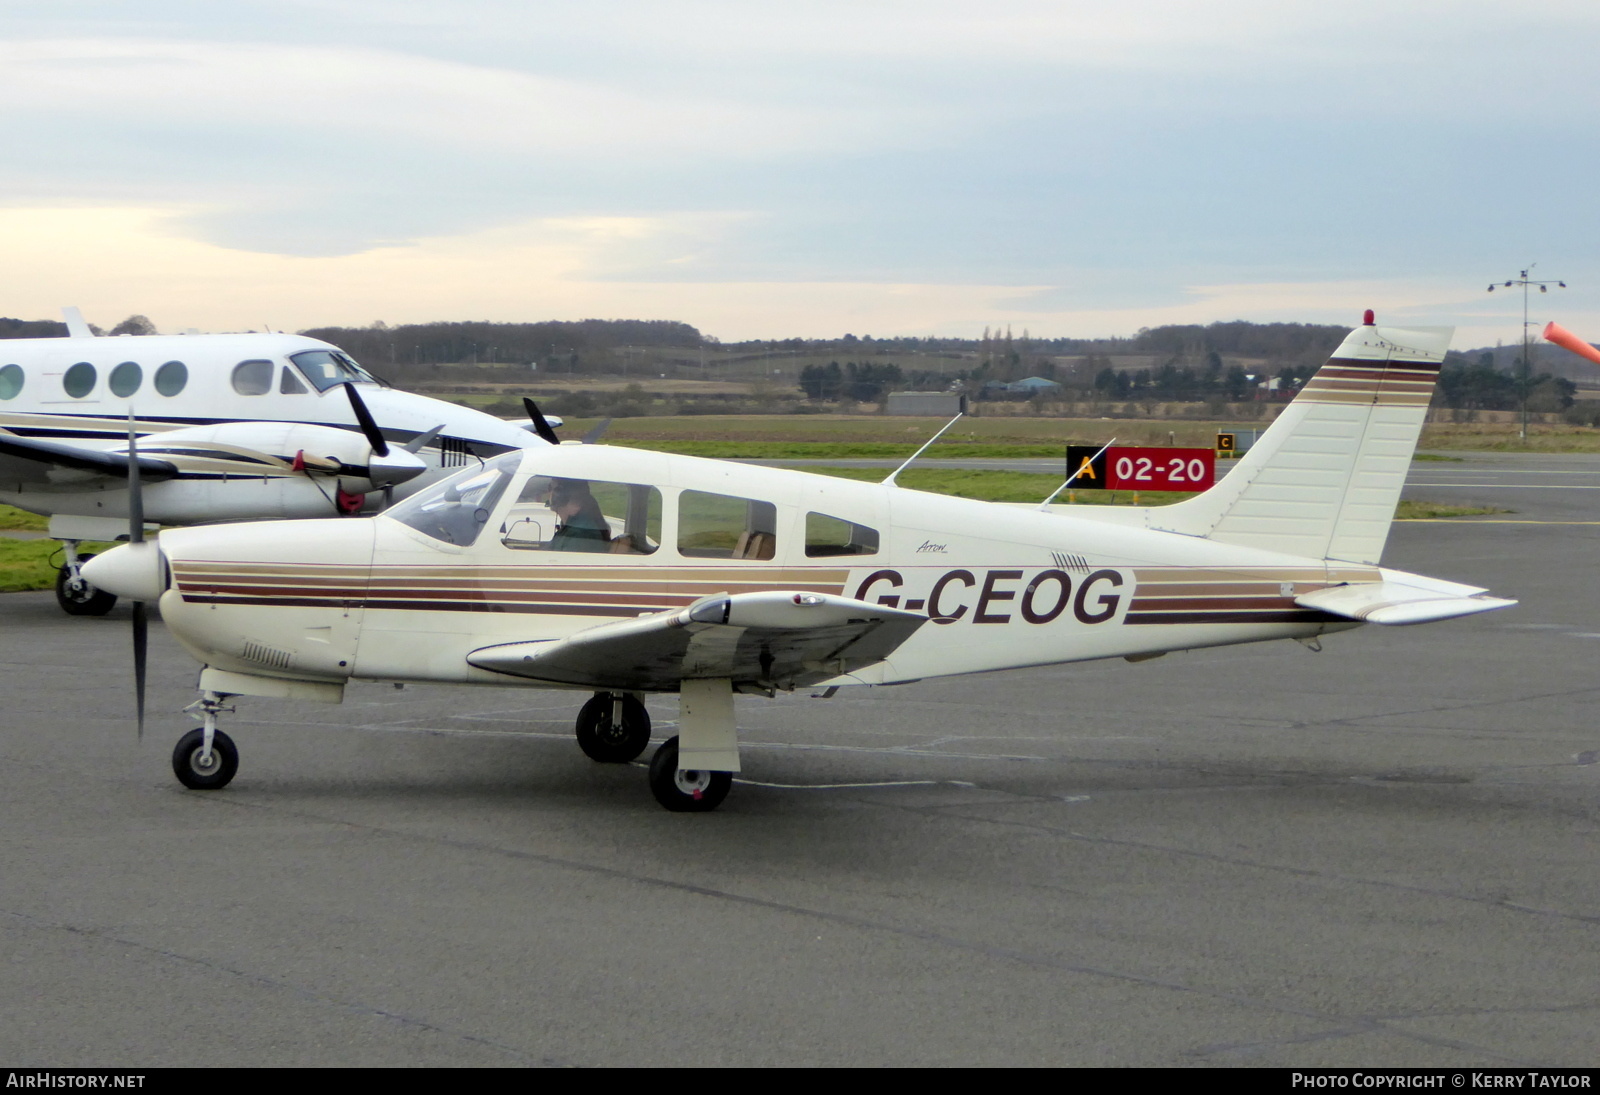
{"x":593,"y":436}
{"x":368,"y":426}
{"x":141,"y":646}
{"x":1564,"y":338}
{"x":540,"y":425}
{"x":135,"y":487}
{"x":141,"y":625}
{"x":416,"y":444}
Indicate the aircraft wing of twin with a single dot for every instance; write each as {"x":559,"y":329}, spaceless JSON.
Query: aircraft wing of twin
{"x":627,"y":573}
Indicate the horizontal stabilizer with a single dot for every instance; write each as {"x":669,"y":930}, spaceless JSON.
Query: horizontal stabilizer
{"x":1402,"y":599}
{"x":32,"y":460}
{"x":774,"y":639}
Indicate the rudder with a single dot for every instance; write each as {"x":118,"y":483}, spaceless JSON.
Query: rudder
{"x":1325,"y":478}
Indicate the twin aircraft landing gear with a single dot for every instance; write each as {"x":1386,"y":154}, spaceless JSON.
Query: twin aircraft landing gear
{"x":76,"y":596}
{"x":614,"y":728}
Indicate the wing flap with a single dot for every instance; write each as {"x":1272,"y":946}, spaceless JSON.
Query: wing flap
{"x":777,"y":639}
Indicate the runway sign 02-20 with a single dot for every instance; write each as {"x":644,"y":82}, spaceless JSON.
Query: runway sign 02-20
{"x":1127,"y":467}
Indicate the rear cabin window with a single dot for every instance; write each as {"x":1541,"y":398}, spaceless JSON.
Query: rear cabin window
{"x":721,"y":526}
{"x":827,"y":536}
{"x":253,"y":377}
{"x":11,"y":378}
{"x":587,"y":515}
{"x":172,"y":378}
{"x":78,"y":381}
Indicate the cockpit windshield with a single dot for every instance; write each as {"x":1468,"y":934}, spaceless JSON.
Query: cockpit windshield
{"x":456,"y":509}
{"x":325,"y":368}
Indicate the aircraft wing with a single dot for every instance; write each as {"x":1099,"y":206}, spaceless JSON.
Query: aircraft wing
{"x":62,"y":466}
{"x":1401,"y":598}
{"x":773,"y":638}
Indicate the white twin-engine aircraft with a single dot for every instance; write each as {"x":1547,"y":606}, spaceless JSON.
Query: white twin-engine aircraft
{"x":234,"y":427}
{"x":626,"y":573}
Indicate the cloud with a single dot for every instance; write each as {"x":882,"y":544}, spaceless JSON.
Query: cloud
{"x":1065,"y":159}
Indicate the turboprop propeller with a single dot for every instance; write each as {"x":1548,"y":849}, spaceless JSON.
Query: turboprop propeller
{"x":541,"y":424}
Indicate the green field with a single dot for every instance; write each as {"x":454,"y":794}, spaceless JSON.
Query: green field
{"x":1017,"y":435}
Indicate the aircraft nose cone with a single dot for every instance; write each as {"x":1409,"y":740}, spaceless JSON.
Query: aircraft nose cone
{"x":395,"y":468}
{"x":135,"y":571}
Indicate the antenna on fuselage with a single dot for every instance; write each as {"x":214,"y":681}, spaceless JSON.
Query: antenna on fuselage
{"x":1075,"y":474}
{"x":889,"y":481}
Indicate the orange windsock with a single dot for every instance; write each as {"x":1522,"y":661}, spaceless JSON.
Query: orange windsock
{"x":1554,"y":332}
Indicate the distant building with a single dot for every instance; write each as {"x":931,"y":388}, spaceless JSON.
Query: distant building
{"x":948,"y":404}
{"x":1033,"y":384}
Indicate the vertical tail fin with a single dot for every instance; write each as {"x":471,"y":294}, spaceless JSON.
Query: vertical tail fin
{"x":1325,"y":478}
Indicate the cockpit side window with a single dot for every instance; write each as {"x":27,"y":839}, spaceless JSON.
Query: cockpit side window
{"x":456,"y":510}
{"x":253,"y":377}
{"x":289,"y":384}
{"x":720,"y":526}
{"x":557,"y":514}
{"x":325,"y":368}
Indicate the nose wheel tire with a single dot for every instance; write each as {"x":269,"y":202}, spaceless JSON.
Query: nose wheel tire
{"x":86,"y":600}
{"x":209,"y":773}
{"x":685,"y":792}
{"x":603,"y":739}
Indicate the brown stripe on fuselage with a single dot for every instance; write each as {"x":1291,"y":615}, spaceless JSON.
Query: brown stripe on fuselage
{"x":1284,"y":616}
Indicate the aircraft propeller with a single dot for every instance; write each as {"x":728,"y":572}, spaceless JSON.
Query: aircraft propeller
{"x":141,"y":623}
{"x":541,"y":425}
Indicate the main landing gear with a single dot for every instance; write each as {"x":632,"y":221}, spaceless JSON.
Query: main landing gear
{"x":685,"y":791}
{"x":613,"y":727}
{"x":689,"y":773}
{"x":76,"y":596}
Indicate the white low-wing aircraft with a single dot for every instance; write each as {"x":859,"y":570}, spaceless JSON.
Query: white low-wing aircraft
{"x":233,"y":427}
{"x":626,"y":573}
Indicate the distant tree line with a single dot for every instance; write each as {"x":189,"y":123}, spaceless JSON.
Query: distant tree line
{"x":406,"y":350}
{"x":864,"y":382}
{"x":1479,"y":386}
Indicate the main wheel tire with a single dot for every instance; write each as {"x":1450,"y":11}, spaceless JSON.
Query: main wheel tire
{"x":685,"y":792}
{"x":87,"y":601}
{"x":196,"y":776}
{"x":603,"y":740}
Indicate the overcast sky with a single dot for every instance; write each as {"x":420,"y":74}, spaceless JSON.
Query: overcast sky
{"x":814,"y":168}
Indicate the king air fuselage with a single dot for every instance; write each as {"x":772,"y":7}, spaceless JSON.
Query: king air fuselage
{"x":214,"y":405}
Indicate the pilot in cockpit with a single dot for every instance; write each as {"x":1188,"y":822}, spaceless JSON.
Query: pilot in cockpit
{"x":583,"y":526}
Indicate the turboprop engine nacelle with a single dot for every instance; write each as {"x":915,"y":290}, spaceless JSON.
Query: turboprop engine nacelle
{"x":279,"y":447}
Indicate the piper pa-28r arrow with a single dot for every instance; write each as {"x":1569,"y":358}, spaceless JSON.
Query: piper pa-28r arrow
{"x":235,"y":427}
{"x":627,"y":573}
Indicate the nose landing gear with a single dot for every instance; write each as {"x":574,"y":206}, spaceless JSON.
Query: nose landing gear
{"x":205,"y":758}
